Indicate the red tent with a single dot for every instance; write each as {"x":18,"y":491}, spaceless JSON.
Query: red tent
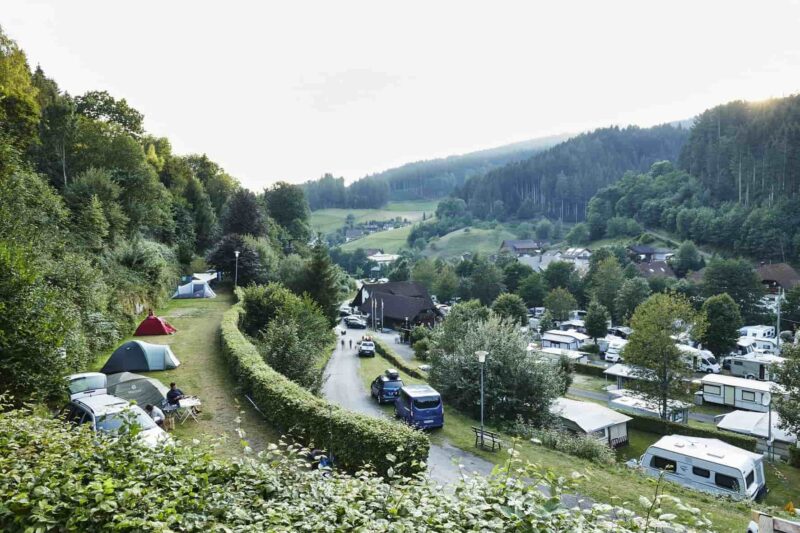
{"x":153,"y":325}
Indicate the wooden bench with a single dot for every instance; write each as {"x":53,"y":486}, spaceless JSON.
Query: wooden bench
{"x":487,"y":439}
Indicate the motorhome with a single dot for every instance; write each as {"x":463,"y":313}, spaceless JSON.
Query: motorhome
{"x":613,"y":352}
{"x":707,"y":465}
{"x":622,"y":332}
{"x":628,"y":401}
{"x":738,"y":392}
{"x":760,"y":366}
{"x":759,"y":332}
{"x":699,"y":360}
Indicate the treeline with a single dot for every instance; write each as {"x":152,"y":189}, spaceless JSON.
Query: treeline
{"x":559,"y":182}
{"x":98,"y":219}
{"x":428,"y":179}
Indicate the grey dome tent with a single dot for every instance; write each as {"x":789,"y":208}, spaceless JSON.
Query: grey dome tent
{"x":134,"y":387}
{"x":195,"y":289}
{"x":138,"y":356}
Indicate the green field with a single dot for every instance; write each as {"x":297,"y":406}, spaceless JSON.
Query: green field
{"x":328,"y":220}
{"x":475,"y":240}
{"x":389,"y":241}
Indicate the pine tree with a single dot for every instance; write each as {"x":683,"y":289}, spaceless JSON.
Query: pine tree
{"x":322,"y":281}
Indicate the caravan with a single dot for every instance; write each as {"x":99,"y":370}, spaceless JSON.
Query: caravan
{"x":738,"y":392}
{"x":699,"y":360}
{"x":760,"y":366}
{"x":708,"y":465}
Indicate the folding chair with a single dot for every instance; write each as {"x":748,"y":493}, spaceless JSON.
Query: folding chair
{"x":170,"y":413}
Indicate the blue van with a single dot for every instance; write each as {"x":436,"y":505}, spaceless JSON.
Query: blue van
{"x":420,"y":406}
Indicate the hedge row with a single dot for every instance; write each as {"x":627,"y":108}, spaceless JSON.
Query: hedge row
{"x":591,"y":370}
{"x":397,"y":361}
{"x":354,"y":439}
{"x":664,"y":427}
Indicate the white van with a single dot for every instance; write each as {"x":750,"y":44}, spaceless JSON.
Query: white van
{"x":707,"y":465}
{"x":699,"y":360}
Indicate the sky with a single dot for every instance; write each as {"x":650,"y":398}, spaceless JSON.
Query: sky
{"x":291,"y":90}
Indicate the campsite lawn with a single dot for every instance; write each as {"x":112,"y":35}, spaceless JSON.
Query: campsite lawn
{"x":615,"y":484}
{"x":329,"y":220}
{"x":203,"y":373}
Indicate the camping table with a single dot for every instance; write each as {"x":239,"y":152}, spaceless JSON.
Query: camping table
{"x":187,"y":407}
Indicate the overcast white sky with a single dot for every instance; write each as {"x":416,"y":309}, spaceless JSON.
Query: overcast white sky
{"x":291,"y":90}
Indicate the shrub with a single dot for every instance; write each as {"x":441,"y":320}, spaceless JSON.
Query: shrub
{"x":589,"y":370}
{"x":582,"y":446}
{"x":56,"y":477}
{"x":398,"y":362}
{"x":354,"y":439}
{"x":794,"y":457}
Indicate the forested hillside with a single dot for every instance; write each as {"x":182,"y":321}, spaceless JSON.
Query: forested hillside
{"x":560,"y":181}
{"x":98,"y":220}
{"x":430,"y":179}
{"x":736,"y":185}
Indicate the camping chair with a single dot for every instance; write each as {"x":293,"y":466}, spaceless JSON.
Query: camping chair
{"x":170,"y":412}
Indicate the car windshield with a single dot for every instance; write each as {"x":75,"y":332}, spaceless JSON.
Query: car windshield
{"x":112,"y":423}
{"x":367,"y":345}
{"x":393,"y":385}
{"x":426,"y":403}
{"x":711,"y":360}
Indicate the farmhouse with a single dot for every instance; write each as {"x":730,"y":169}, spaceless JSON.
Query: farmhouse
{"x":592,"y":419}
{"x":401,"y":304}
{"x":520,"y":247}
{"x":778,"y":276}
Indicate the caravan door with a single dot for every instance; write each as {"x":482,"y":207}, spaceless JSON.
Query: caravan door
{"x":730,"y":395}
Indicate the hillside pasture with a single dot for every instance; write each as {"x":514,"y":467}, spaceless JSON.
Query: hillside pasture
{"x":328,"y":220}
{"x":474,"y":240}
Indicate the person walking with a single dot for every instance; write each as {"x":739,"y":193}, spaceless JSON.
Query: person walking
{"x":351,"y":344}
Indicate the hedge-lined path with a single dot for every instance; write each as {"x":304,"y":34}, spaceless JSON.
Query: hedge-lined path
{"x":343,"y":387}
{"x":203,"y":373}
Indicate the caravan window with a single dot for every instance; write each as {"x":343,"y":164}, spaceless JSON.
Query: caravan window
{"x":727,"y":482}
{"x":750,"y":478}
{"x":701,"y":472}
{"x":738,"y":363}
{"x":748,"y":396}
{"x":662,"y":463}
{"x":712,"y":389}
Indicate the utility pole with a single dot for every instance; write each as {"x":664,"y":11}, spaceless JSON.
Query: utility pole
{"x":778,"y":331}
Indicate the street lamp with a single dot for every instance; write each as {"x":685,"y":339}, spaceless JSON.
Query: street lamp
{"x":236,"y":271}
{"x":482,"y":360}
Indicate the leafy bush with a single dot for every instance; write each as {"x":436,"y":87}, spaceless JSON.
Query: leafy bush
{"x":56,"y":477}
{"x":589,"y":370}
{"x":398,"y":362}
{"x":353,"y":438}
{"x":559,"y":439}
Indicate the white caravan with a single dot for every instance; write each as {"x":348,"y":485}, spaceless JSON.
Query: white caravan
{"x":760,"y":366}
{"x":739,"y":393}
{"x":759,"y":332}
{"x":708,"y":465}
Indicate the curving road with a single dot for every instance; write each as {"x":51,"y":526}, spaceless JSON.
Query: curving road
{"x":343,"y":387}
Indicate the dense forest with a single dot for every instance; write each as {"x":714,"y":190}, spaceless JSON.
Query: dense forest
{"x":559,"y":182}
{"x":98,"y":220}
{"x":736,"y":186}
{"x":428,"y":179}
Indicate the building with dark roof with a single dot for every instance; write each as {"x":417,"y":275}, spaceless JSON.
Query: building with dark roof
{"x":401,"y":304}
{"x":778,"y":276}
{"x":655,"y":269}
{"x":520,"y":247}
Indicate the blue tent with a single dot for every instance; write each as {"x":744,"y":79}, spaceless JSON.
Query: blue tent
{"x":138,"y":356}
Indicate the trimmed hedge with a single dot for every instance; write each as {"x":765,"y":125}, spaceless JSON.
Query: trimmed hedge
{"x":590,"y":370}
{"x":664,"y":427}
{"x":353,"y":438}
{"x":397,"y":361}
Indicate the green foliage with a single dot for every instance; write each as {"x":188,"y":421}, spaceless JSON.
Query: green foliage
{"x":622,"y":227}
{"x":790,"y":308}
{"x":737,"y":278}
{"x":559,"y":302}
{"x":244,"y":215}
{"x":101,"y":106}
{"x":606,"y":284}
{"x":544,"y":230}
{"x":398,"y":362}
{"x":223,"y":258}
{"x":590,"y":370}
{"x":282,"y":348}
{"x":631,"y":294}
{"x":686,"y":259}
{"x":460,"y":318}
{"x":511,"y":307}
{"x":532,"y":290}
{"x":597,"y":317}
{"x":788,"y":405}
{"x":446,"y":284}
{"x":322,"y":281}
{"x":424,"y":272}
{"x":516,"y":384}
{"x":354,"y":439}
{"x":658,"y":426}
{"x":724,"y":321}
{"x":19,"y":107}
{"x":287,"y":205}
{"x":559,"y":274}
{"x":513,"y":273}
{"x":578,"y":235}
{"x":547,"y":322}
{"x":651,"y":348}
{"x":485,"y":282}
{"x":583,"y":446}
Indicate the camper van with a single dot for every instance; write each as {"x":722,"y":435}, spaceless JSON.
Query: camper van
{"x":760,"y":366}
{"x":758,"y":332}
{"x":419,"y":406}
{"x":707,"y":465}
{"x":613,"y":351}
{"x":699,"y":360}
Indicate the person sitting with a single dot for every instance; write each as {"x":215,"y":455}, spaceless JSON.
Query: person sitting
{"x":156,"y":414}
{"x":175,"y":395}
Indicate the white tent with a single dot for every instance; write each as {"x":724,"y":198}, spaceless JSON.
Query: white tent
{"x":195,"y":289}
{"x":204,"y":276}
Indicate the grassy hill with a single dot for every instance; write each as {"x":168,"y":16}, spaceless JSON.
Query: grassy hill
{"x":475,"y":240}
{"x":389,"y":241}
{"x":328,"y":220}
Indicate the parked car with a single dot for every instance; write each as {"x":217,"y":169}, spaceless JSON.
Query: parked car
{"x":366,"y":348}
{"x":386,"y":387}
{"x":354,"y":322}
{"x":419,"y":406}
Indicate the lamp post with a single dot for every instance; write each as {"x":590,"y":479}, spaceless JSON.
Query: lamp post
{"x":236,"y":270}
{"x":482,"y":360}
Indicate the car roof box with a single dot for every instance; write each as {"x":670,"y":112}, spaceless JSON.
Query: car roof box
{"x":391,"y":373}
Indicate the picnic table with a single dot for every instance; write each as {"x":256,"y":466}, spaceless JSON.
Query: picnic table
{"x":187,"y":408}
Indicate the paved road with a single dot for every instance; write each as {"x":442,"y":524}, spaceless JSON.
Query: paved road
{"x":343,"y":387}
{"x":603,"y":397}
{"x":390,"y":340}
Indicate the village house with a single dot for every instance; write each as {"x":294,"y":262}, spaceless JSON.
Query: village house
{"x":777,"y":276}
{"x":520,"y":247}
{"x":655,"y":269}
{"x":400,"y":304}
{"x":642,"y":253}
